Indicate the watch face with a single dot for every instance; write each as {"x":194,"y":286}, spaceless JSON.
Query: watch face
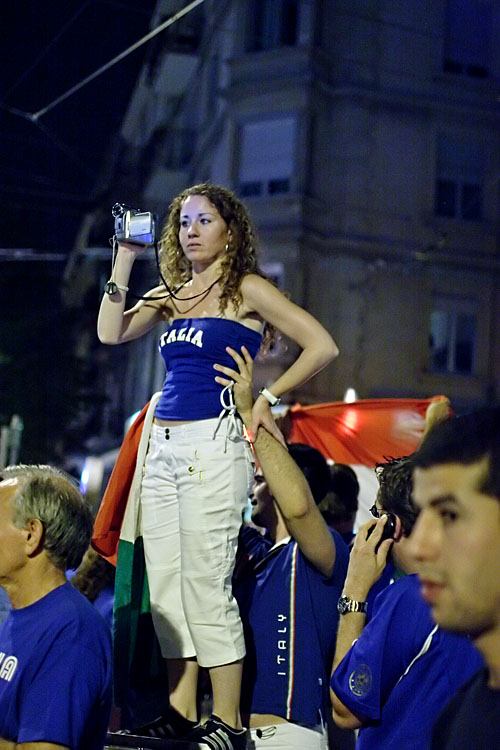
{"x":342,"y":605}
{"x":345,"y":604}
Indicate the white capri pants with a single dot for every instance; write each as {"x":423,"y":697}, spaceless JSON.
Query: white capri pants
{"x":288,"y":736}
{"x":194,"y":490}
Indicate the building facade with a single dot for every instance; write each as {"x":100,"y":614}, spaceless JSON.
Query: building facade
{"x":364,"y":137}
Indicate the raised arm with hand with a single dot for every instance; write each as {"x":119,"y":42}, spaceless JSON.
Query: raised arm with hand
{"x":114,"y":324}
{"x":317,"y":346}
{"x":285,"y":480}
{"x":365,"y":568}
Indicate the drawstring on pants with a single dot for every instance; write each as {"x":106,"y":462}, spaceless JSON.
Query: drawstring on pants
{"x":229,"y":411}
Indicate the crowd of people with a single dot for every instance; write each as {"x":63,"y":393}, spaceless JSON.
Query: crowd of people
{"x":311,"y":635}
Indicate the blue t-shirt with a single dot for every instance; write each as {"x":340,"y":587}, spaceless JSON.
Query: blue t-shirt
{"x":401,"y":710}
{"x":190,"y":348}
{"x":471,"y":719}
{"x":4,"y":605}
{"x":55,"y":672}
{"x":289,"y":613}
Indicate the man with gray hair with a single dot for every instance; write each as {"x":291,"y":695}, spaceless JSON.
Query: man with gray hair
{"x":55,"y":650}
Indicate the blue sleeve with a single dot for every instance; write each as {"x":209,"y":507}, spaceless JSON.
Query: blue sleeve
{"x":370,"y":670}
{"x":68,"y":687}
{"x":385,"y":579}
{"x":341,"y":558}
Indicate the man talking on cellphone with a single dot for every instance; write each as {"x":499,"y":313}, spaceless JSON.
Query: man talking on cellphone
{"x":392,"y":674}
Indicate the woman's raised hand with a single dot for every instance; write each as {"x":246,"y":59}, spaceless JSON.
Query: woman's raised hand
{"x":253,"y":414}
{"x":131,"y":248}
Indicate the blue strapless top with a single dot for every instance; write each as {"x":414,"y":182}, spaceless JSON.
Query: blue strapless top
{"x":190,"y":348}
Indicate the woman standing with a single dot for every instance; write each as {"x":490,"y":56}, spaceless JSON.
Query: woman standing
{"x":198,"y":468}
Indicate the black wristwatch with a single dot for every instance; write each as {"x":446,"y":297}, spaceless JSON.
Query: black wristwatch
{"x":346,"y":604}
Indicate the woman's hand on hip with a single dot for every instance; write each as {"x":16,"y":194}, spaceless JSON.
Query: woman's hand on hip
{"x":240,"y":379}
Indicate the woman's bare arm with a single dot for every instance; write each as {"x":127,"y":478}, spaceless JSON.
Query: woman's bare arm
{"x":317,"y":346}
{"x":116,"y":325}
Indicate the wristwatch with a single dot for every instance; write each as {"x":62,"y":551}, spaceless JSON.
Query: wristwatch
{"x":273,"y":400}
{"x":346,"y":604}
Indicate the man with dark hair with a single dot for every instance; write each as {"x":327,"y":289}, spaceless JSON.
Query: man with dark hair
{"x":340,"y":505}
{"x":392,"y":674}
{"x":456,"y":548}
{"x":289,"y":589}
{"x":55,"y":650}
{"x":395,"y":491}
{"x":313,"y":466}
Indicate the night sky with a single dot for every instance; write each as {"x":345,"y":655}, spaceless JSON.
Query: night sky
{"x":47,"y":179}
{"x":48,"y":171}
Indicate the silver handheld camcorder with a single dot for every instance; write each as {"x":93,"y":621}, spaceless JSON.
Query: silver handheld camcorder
{"x":133,"y":225}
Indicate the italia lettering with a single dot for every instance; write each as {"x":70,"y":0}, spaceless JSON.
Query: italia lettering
{"x":282,"y":645}
{"x":183,"y":334}
{"x":8,"y":665}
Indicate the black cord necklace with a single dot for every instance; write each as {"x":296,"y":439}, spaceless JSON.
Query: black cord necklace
{"x":110,"y":285}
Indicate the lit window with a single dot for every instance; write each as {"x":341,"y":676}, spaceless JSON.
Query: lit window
{"x":467,"y":38}
{"x":272,"y":23}
{"x":267,"y":157}
{"x":460,"y":169}
{"x":452,"y":339}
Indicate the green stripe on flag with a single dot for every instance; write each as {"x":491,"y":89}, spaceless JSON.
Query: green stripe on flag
{"x":138,"y":664}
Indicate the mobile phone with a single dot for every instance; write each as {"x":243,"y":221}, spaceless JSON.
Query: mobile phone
{"x":388,"y":531}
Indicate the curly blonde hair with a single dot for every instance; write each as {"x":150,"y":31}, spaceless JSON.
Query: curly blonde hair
{"x":242,"y":251}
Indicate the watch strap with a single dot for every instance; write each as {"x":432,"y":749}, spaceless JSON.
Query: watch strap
{"x":273,"y":400}
{"x":346,"y":604}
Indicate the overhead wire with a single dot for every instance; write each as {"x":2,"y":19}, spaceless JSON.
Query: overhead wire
{"x":35,"y":116}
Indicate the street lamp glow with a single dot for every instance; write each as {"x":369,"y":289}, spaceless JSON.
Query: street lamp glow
{"x":350,"y":395}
